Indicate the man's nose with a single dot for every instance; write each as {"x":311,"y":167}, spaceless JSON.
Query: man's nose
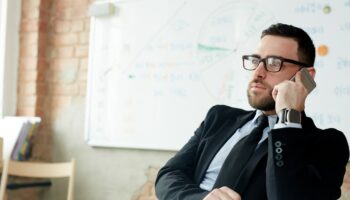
{"x":260,"y":71}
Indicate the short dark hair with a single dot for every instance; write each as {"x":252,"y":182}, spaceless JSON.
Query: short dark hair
{"x":306,"y":48}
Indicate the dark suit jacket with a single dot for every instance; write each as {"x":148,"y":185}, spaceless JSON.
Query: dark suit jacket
{"x":307,"y":163}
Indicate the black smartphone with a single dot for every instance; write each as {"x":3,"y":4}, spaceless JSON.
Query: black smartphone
{"x":306,"y":79}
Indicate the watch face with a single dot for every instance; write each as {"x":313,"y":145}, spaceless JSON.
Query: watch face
{"x":287,"y":115}
{"x":293,"y":116}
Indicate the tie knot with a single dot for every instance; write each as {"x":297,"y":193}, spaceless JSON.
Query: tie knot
{"x":261,"y":121}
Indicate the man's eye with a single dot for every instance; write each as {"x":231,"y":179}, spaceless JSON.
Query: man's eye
{"x":273,"y":62}
{"x":255,"y":61}
{"x":276,"y":62}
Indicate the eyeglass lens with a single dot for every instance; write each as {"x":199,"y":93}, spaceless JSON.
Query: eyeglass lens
{"x":270,"y":63}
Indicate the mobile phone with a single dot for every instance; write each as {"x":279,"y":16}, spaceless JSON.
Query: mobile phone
{"x":306,"y":79}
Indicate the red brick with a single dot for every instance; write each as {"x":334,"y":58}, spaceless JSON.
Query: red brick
{"x":41,"y":88}
{"x":82,"y":75}
{"x":29,"y":51}
{"x":41,"y":76}
{"x":62,"y":52}
{"x":62,"y":26}
{"x":27,"y":88}
{"x":65,"y":52}
{"x":67,"y":76}
{"x":82,"y":51}
{"x":45,"y":4}
{"x":27,"y":101}
{"x":42,"y":114}
{"x":26,"y":111}
{"x":84,"y":63}
{"x":64,"y":39}
{"x":63,"y":4}
{"x":61,"y":64}
{"x":28,"y":39}
{"x":70,"y":90}
{"x":79,"y":13}
{"x":42,"y":64}
{"x":30,"y":4}
{"x":84,"y":38}
{"x":80,"y":3}
{"x":31,"y":14}
{"x":43,"y":26}
{"x":52,"y":77}
{"x":66,"y":14}
{"x":87,"y":24}
{"x":60,"y":101}
{"x":43,"y":43}
{"x":77,"y":26}
{"x":53,"y":63}
{"x":28,"y":76}
{"x":29,"y":26}
{"x":28,"y":63}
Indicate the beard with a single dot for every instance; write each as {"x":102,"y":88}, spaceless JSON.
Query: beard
{"x":264,"y":102}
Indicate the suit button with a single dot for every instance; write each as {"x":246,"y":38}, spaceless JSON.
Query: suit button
{"x":278,"y":156}
{"x":278,"y":144}
{"x":279,"y":163}
{"x":279,"y":150}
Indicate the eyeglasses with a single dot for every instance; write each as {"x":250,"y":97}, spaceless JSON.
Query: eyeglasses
{"x":271,"y":63}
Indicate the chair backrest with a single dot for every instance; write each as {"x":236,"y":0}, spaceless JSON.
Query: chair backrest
{"x":40,"y":170}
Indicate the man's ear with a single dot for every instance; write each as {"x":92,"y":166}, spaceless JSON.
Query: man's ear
{"x":311,"y":71}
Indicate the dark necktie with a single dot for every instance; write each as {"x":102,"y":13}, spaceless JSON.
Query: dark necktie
{"x":239,"y":156}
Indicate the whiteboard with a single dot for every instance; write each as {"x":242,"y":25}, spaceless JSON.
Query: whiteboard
{"x":157,"y":66}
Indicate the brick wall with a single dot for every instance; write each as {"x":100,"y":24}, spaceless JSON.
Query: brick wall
{"x":32,"y":89}
{"x":54,"y":38}
{"x":53,"y":61}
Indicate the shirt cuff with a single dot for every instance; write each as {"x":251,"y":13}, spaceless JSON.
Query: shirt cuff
{"x":287,"y":125}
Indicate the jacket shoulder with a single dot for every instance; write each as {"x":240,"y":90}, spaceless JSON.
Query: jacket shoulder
{"x":220,"y":114}
{"x":226,"y":111}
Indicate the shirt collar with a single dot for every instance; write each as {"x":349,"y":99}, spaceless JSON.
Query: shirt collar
{"x":272,"y":118}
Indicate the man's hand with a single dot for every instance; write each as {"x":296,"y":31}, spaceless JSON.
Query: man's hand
{"x":223,"y":193}
{"x":290,"y":94}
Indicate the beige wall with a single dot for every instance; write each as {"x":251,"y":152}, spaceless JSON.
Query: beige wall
{"x":52,"y":84}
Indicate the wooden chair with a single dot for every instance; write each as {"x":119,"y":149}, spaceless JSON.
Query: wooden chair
{"x":38,"y":170}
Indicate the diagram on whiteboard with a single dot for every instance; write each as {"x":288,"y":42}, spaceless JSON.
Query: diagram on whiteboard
{"x":156,"y":67}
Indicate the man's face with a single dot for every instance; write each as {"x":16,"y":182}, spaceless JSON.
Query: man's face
{"x":262,"y":82}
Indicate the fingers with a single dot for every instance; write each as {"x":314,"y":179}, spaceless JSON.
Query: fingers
{"x":223,"y":193}
{"x":234,"y":195}
{"x":274,"y":93}
{"x":289,"y":94}
{"x":298,"y":78}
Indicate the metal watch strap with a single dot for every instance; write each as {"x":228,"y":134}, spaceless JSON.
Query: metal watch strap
{"x":288,"y":115}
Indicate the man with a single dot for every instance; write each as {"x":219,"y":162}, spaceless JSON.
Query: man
{"x":293,"y":160}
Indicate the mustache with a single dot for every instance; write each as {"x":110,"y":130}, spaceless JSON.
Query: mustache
{"x":258,"y":80}
{"x":262,"y":82}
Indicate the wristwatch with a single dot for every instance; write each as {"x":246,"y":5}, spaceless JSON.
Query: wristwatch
{"x":288,"y":115}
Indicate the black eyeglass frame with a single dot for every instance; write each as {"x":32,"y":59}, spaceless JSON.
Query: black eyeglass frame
{"x":245,"y":57}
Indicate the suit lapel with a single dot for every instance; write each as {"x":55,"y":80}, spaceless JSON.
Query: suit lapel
{"x":219,"y":138}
